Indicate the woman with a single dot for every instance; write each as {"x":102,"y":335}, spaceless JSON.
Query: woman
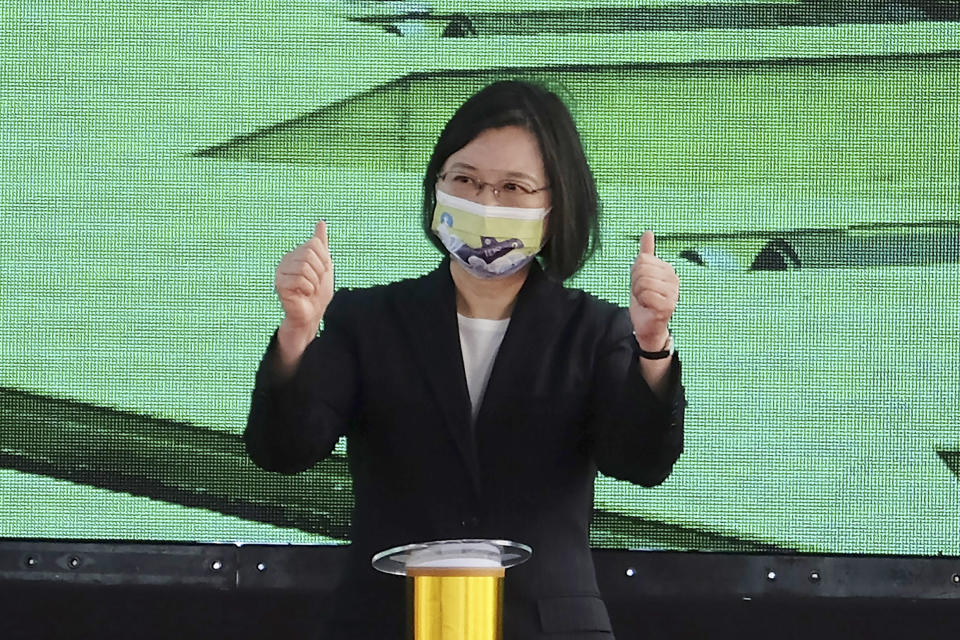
{"x":479,"y":400}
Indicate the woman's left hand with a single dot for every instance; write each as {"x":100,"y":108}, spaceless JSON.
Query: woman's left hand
{"x":654,"y":292}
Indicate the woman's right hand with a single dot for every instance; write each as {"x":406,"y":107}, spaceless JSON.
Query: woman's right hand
{"x":304,"y":282}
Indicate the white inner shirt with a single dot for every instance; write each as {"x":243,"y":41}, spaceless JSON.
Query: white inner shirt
{"x":480,"y":339}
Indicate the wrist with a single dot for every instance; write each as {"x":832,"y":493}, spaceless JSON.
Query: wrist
{"x":659,"y":348}
{"x":291,"y":343}
{"x":656,"y":342}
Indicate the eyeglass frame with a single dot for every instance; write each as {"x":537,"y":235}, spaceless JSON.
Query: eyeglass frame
{"x":493,"y":187}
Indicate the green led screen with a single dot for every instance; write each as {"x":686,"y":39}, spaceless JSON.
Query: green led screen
{"x":799,"y":162}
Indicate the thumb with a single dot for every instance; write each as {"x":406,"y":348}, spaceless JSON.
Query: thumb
{"x":647,"y":243}
{"x":320,"y":232}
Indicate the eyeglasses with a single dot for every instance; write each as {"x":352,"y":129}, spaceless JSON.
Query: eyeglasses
{"x":509,"y":193}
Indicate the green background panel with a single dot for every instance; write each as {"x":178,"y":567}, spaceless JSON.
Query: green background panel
{"x":831,"y":126}
{"x":156,"y":161}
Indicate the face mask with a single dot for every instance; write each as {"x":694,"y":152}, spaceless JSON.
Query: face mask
{"x":489,"y":242}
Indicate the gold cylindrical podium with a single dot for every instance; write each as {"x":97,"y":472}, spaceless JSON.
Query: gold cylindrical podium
{"x":457,"y":589}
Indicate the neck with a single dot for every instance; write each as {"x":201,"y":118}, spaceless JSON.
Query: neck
{"x":481,"y":298}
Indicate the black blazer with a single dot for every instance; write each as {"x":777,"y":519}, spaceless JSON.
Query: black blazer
{"x":565,"y":398}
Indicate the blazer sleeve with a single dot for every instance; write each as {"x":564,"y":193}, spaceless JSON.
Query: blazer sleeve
{"x":635,"y":435}
{"x":294,"y":424}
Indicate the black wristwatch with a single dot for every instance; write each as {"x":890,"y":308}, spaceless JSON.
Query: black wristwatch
{"x":667,"y":351}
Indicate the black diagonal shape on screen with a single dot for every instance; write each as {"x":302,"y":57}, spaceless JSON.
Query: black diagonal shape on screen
{"x":167,"y":460}
{"x":878,"y":244}
{"x":952,"y":460}
{"x":470,"y":22}
{"x":199,"y":467}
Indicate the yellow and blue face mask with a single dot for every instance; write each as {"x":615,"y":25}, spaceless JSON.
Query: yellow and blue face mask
{"x":488,"y":241}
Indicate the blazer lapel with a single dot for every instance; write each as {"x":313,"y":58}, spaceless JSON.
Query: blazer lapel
{"x":429,"y":317}
{"x":536,"y":319}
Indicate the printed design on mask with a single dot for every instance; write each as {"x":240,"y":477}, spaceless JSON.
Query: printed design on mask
{"x":464,"y":227}
{"x":491,"y":249}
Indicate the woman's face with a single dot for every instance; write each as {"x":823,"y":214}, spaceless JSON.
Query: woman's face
{"x":506,"y":157}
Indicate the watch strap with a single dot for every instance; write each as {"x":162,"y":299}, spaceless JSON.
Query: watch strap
{"x":666,"y":352}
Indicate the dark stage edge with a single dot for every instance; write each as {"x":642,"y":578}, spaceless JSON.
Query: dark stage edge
{"x":80,"y":589}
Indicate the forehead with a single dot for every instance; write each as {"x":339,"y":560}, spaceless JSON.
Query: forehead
{"x":505,"y":150}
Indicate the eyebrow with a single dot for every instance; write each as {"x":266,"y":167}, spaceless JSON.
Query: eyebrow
{"x":510,"y":174}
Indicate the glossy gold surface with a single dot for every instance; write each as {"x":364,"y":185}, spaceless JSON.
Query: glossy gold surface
{"x":458,"y":607}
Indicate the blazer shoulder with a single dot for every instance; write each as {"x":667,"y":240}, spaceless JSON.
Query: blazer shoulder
{"x":349,"y":302}
{"x":592,"y":309}
{"x":596,"y":305}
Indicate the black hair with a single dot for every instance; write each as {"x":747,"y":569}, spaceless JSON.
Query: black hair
{"x":573,"y":229}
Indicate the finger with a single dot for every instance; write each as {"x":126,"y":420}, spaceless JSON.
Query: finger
{"x":304,"y":286}
{"x":316,"y":246}
{"x":668,"y":276}
{"x":291,"y":281}
{"x":320,"y":232}
{"x":288,"y":283}
{"x":647,"y":243}
{"x":652,"y":260}
{"x":653,"y":299}
{"x":657,"y":303}
{"x":305,"y":268}
{"x":667,"y":289}
{"x":653,"y":266}
{"x":320,"y":244}
{"x":309,"y":256}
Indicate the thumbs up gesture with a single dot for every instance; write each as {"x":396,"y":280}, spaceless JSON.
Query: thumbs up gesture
{"x":304,"y":283}
{"x":654,"y":291}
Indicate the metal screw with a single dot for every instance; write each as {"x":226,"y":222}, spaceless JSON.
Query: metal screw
{"x":216,"y":565}
{"x":771,"y":575}
{"x":631,"y":572}
{"x":814,"y":576}
{"x":30,"y":561}
{"x":261,"y":566}
{"x":74,"y":562}
{"x":956,"y":578}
